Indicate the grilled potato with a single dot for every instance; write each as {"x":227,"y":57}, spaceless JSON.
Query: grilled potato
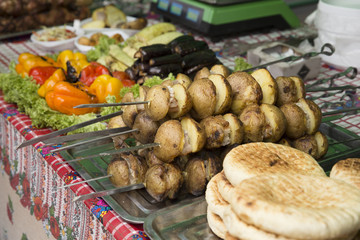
{"x":159,"y":102}
{"x":127,"y":169}
{"x":170,"y":136}
{"x":117,"y":122}
{"x":183,"y":101}
{"x":322,"y":144}
{"x":268,"y":85}
{"x":183,"y":80}
{"x":223,"y":93}
{"x":307,"y":144}
{"x":236,"y":128}
{"x":194,"y":135}
{"x":245,"y":89}
{"x":254,"y":123}
{"x":199,"y":170}
{"x":146,"y":126}
{"x":202,"y":73}
{"x":130,"y":111}
{"x":220,"y":69}
{"x":312,"y":114}
{"x":203,"y":95}
{"x":287,"y":92}
{"x":275,"y":122}
{"x":217,"y":131}
{"x":300,"y":87}
{"x":163,"y":181}
{"x":296,"y":120}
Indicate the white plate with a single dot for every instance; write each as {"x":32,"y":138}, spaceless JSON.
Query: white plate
{"x":109,"y":32}
{"x":57,"y":46}
{"x":130,"y":32}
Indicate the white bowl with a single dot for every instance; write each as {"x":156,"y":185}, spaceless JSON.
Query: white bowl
{"x":109,"y":32}
{"x":57,"y":46}
{"x":130,"y":32}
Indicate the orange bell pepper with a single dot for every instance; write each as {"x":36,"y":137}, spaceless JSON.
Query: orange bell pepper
{"x":105,"y":85}
{"x":65,"y":96}
{"x":49,"y":84}
{"x":27,"y":61}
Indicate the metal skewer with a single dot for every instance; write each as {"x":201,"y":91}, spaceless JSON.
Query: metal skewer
{"x":109,"y":192}
{"x":96,"y":105}
{"x":341,"y":88}
{"x":68,"y":129}
{"x":112,"y":152}
{"x":350,"y":73}
{"x":331,"y":50}
{"x":92,"y":140}
{"x":85,"y":181}
{"x":72,"y":137}
{"x":344,"y":110}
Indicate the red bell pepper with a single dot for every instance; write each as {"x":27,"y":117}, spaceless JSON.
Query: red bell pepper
{"x":124,"y":78}
{"x":41,"y":74}
{"x":91,"y":72}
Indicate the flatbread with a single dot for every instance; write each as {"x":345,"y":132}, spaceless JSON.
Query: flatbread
{"x":216,"y":224}
{"x":347,"y":170}
{"x":228,"y":236}
{"x":297,"y":205}
{"x":252,"y":159}
{"x":215,"y":201}
{"x":239,"y":229}
{"x":224,"y":187}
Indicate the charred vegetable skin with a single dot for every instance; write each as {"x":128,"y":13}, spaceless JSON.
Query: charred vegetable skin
{"x":182,"y":55}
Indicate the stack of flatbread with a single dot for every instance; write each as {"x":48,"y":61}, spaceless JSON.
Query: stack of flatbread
{"x":268,"y":191}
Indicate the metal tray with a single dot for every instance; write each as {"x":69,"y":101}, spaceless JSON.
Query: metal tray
{"x":187,"y":220}
{"x":137,"y":205}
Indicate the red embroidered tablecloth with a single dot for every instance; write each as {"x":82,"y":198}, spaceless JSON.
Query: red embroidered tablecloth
{"x":33,"y":175}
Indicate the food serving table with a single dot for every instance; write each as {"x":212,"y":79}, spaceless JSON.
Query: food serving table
{"x":31,"y":205}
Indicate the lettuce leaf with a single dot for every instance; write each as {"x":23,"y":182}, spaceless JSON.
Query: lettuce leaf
{"x":241,"y":64}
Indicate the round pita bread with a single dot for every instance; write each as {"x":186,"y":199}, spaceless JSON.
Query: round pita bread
{"x":216,"y":224}
{"x":252,"y":159}
{"x":228,"y":236}
{"x":215,"y":201}
{"x":347,"y":170}
{"x":224,"y":187}
{"x":238,"y":228}
{"x":297,"y":205}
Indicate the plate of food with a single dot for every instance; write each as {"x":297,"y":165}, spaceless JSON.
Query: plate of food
{"x":90,"y":40}
{"x":110,"y":17}
{"x":56,"y":38}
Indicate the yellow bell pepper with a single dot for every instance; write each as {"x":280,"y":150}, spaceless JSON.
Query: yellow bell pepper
{"x":27,"y":61}
{"x":49,"y":84}
{"x":77,"y":60}
{"x":105,"y":85}
{"x":65,"y":96}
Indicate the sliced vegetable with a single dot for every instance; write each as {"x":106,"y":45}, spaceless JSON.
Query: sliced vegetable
{"x":117,"y":53}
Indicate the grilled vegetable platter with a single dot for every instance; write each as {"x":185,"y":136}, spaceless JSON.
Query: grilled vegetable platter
{"x":178,"y":109}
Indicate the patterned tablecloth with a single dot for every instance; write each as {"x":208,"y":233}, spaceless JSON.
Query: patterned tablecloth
{"x":32,"y":174}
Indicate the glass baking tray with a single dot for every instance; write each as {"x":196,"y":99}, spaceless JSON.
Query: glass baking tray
{"x":137,"y":205}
